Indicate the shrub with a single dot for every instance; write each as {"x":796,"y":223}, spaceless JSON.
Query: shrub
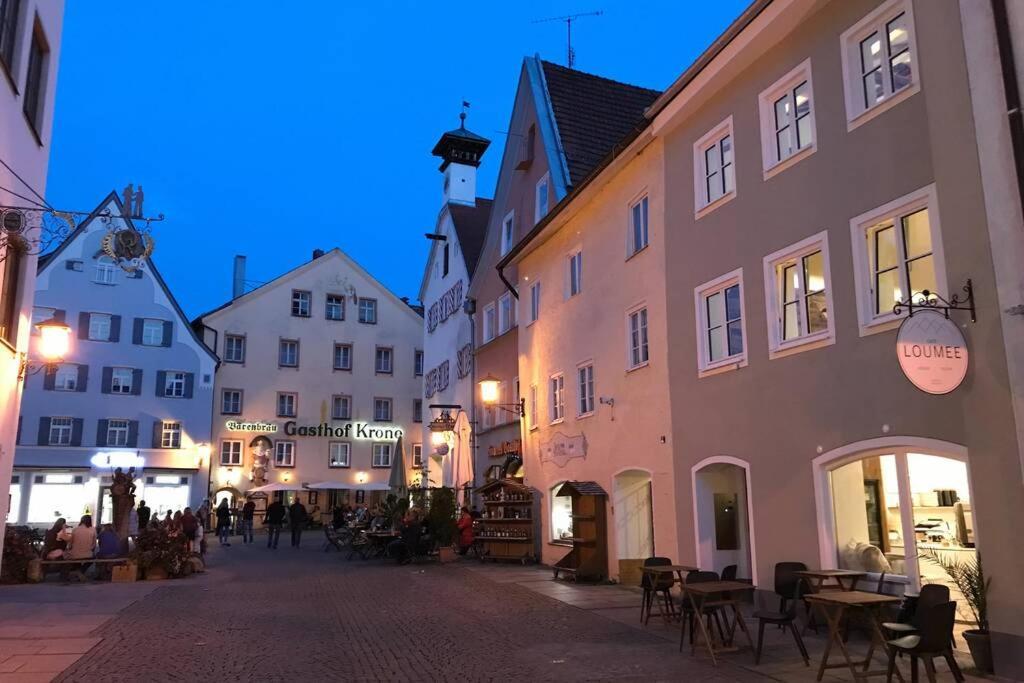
{"x":156,"y":547}
{"x":18,"y":552}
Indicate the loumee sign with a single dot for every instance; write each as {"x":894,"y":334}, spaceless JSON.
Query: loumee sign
{"x":932,"y":352}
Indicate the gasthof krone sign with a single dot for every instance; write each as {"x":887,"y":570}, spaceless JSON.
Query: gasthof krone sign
{"x":932,"y":352}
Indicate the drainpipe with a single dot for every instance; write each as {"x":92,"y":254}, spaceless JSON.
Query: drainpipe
{"x":1014,"y":115}
{"x":470,"y":308}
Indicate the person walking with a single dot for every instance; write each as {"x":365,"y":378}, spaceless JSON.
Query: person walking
{"x":297,"y":519}
{"x":224,"y":522}
{"x":189,"y":528}
{"x":248,"y":511}
{"x":143,"y":514}
{"x":274,"y":518}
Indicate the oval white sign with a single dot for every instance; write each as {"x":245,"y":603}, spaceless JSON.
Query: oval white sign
{"x":932,"y":352}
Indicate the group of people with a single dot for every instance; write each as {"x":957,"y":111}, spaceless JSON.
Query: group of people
{"x":61,"y":542}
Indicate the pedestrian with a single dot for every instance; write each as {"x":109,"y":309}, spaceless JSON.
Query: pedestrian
{"x":224,"y":522}
{"x":273,"y":518}
{"x":203,"y":513}
{"x":465,"y":525}
{"x":143,"y":514}
{"x":168,"y":521}
{"x":297,"y":519}
{"x":337,"y":517}
{"x":189,"y":526}
{"x":248,"y":511}
{"x":83,"y":545}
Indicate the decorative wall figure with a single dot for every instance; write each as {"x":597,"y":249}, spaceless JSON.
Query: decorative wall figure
{"x":561,"y":449}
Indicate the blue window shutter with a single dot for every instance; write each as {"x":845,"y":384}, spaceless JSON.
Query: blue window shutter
{"x":83,"y":378}
{"x":190,"y":380}
{"x":136,"y":382}
{"x":115,"y":328}
{"x":44,"y":431}
{"x":101,"y":432}
{"x":50,"y":377}
{"x":69,"y":265}
{"x":60,"y":315}
{"x":83,"y":325}
{"x":161,"y":381}
{"x":76,"y":431}
{"x":133,"y":433}
{"x":158,"y":429}
{"x":136,"y":330}
{"x":108,"y":377}
{"x":168,"y":333}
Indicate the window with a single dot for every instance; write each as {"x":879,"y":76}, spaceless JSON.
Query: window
{"x":231,"y":453}
{"x":534,"y":408}
{"x":898,"y":255}
{"x":286,"y":404}
{"x":121,"y":380}
{"x":585,"y":383}
{"x":638,"y":353}
{"x":117,"y":432}
{"x":152,"y":332}
{"x":417,"y":455}
{"x":878,"y":55}
{"x":787,"y":119}
{"x":557,"y":395}
{"x":714,"y":174}
{"x":66,"y":377}
{"x":35,"y":78}
{"x":231,"y":402}
{"x":382,"y":455}
{"x":541,"y":198}
{"x":382,"y":409}
{"x":341,"y":407}
{"x":638,"y":226}
{"x":174,"y":385}
{"x":99,"y":327}
{"x":288,"y":353}
{"x":508,"y":232}
{"x":506,"y":313}
{"x":534,"y":302}
{"x":335,"y":307}
{"x":417,"y":410}
{"x":9,"y":11}
{"x":10,"y":263}
{"x":721,"y":332}
{"x":368,"y":311}
{"x":490,"y":323}
{"x":575,"y":273}
{"x":561,"y":516}
{"x":417,"y":363}
{"x":106,"y":271}
{"x":60,"y":431}
{"x":339,"y":454}
{"x":284,"y":454}
{"x":798,"y":294}
{"x":234,"y":348}
{"x":342,"y":356}
{"x":170,"y":435}
{"x":382,"y":361}
{"x":300,"y":303}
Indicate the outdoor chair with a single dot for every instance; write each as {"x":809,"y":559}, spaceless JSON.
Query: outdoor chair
{"x":655,"y":587}
{"x":784,"y":618}
{"x":931,"y":594}
{"x":360,"y":545}
{"x":331,"y":539}
{"x":689,"y":613}
{"x":931,"y":641}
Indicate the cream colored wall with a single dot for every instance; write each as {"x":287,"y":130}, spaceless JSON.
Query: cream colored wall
{"x":592,"y":326}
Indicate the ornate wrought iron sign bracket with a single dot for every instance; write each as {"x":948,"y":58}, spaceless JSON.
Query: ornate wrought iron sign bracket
{"x":929,"y":300}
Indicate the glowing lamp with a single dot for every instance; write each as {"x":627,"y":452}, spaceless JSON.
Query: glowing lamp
{"x":437,"y":438}
{"x":202,"y":453}
{"x":54,"y":339}
{"x":286,"y":477}
{"x":489,"y":387}
{"x":361,"y":477}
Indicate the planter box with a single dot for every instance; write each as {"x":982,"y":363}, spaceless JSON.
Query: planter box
{"x":446,"y":555}
{"x":156,"y":574}
{"x":124,"y":573}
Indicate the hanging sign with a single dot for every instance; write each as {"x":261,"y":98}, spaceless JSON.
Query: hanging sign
{"x":932,"y":352}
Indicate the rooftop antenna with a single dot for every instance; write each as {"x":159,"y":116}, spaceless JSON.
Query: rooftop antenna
{"x":570,"y":54}
{"x":462,"y":115}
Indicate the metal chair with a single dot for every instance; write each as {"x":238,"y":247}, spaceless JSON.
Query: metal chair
{"x":654,"y":587}
{"x":729,"y":573}
{"x":688,"y":610}
{"x":931,"y":641}
{"x":785,"y":619}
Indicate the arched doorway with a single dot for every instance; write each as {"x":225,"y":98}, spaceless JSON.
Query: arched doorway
{"x":634,"y":522}
{"x":722,"y":515}
{"x":228,"y":493}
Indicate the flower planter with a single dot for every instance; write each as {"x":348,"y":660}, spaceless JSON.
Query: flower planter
{"x":446,"y":554}
{"x":156,"y":573}
{"x":980,"y":644}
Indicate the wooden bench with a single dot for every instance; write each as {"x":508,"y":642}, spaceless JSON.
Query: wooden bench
{"x":42,"y":564}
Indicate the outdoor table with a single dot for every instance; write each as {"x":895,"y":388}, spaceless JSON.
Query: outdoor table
{"x":834,"y":604}
{"x":700,"y":595}
{"x":380,"y":540}
{"x":818,"y":577}
{"x":656,"y":573}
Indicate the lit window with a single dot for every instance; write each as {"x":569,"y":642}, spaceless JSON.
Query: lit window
{"x":368,"y":311}
{"x":638,"y":226}
{"x":300,"y":303}
{"x":99,"y":327}
{"x":382,"y":455}
{"x":787,"y":117}
{"x":720,"y":321}
{"x":341,"y":407}
{"x":234,"y":348}
{"x":335,"y":307}
{"x":575,"y":273}
{"x":288,"y":353}
{"x":557,"y":395}
{"x":798,"y":279}
{"x":585,"y":384}
{"x":230,"y":453}
{"x":170,"y":435}
{"x":638,"y":352}
{"x":715,"y":176}
{"x":382,"y":409}
{"x":117,"y":432}
{"x":284,"y":454}
{"x":561,"y":515}
{"x":340,"y":454}
{"x":286,"y":404}
{"x":342,"y":356}
{"x":382,"y":362}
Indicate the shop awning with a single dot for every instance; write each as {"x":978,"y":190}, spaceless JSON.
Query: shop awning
{"x":347,"y":485}
{"x":276,"y":486}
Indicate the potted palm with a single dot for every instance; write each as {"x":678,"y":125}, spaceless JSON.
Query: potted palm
{"x":969,"y":578}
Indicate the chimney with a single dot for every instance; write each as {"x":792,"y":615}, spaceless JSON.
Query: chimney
{"x":317,"y":253}
{"x":238,"y":278}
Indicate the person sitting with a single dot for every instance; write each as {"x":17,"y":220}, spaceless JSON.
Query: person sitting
{"x":465,"y":525}
{"x":408,"y":544}
{"x":109,"y":548}
{"x":83,"y":545}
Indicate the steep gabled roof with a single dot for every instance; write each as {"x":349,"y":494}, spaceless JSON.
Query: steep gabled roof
{"x":471,"y":227}
{"x":592,"y":114}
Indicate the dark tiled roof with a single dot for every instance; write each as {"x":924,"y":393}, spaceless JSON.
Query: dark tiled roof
{"x":471,"y":226}
{"x":592,"y":114}
{"x":584,"y":488}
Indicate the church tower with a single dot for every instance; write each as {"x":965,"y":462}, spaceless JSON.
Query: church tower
{"x":460,"y":151}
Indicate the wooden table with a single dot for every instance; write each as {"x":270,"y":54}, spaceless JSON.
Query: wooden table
{"x":656,"y":573}
{"x":834,"y":604}
{"x":818,"y":577}
{"x":713,"y":594}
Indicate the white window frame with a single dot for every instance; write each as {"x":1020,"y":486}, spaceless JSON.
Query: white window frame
{"x":390,"y":411}
{"x":535,"y":294}
{"x":117,"y":432}
{"x":302,"y":302}
{"x":282,"y":448}
{"x":282,"y":402}
{"x":367,"y":315}
{"x":100,"y":326}
{"x":383,"y":360}
{"x":122,"y":380}
{"x":534,"y":408}
{"x":231,"y":452}
{"x":574,"y":273}
{"x":417,"y":363}
{"x":644,"y":342}
{"x":784,"y":87}
{"x":556,"y":392}
{"x":105,"y":272}
{"x":170,"y":434}
{"x":64,"y":428}
{"x":506,"y":313}
{"x":344,"y":446}
{"x":152,"y":332}
{"x":346,"y":350}
{"x":229,"y":357}
{"x":339,"y":304}
{"x":65,"y":377}
{"x":701,"y":205}
{"x":490,"y":322}
{"x":700,"y":293}
{"x":540,"y":200}
{"x":777,"y":346}
{"x":223,"y":396}
{"x":643,"y":203}
{"x":280,"y":356}
{"x":174,"y":384}
{"x":849,"y":44}
{"x":585,"y":397}
{"x":417,"y":456}
{"x":341,"y":399}
{"x":508,"y":232}
{"x":924,"y":198}
{"x":380,"y":450}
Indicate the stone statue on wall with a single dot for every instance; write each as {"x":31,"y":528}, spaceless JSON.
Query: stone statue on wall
{"x":260,"y":462}
{"x":122,"y":498}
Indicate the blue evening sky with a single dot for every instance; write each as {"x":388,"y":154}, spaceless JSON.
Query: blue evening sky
{"x":270,"y":128}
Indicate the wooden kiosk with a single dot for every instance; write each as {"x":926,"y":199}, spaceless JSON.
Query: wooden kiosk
{"x":505,"y":530}
{"x":588,"y":559}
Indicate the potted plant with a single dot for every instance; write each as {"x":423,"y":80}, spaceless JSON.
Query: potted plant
{"x":969,"y":578}
{"x":19,"y":556}
{"x":159,"y":554}
{"x":441,"y":522}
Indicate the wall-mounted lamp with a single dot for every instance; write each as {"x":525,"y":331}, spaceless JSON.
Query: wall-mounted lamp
{"x":54,"y":343}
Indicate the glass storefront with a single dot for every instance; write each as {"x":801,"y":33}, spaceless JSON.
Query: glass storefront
{"x":61,"y":494}
{"x":561,"y":515}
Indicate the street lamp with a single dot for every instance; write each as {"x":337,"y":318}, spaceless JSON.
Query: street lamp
{"x":54,"y":342}
{"x":489,"y":389}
